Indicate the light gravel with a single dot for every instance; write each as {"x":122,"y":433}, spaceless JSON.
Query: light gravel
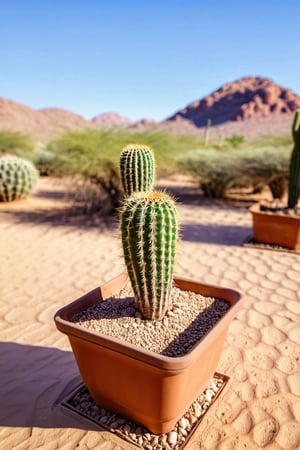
{"x":190,"y":318}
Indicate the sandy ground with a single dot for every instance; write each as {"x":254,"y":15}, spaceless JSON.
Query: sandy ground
{"x":46,"y":263}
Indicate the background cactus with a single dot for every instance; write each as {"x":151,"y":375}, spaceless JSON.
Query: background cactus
{"x":17,"y":178}
{"x":149,"y":229}
{"x":294,"y":173}
{"x":137,"y":169}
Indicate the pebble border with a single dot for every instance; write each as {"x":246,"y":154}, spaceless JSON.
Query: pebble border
{"x":81,"y":403}
{"x":251,"y":243}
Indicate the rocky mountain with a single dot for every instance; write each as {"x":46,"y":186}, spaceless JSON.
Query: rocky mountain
{"x":246,"y":98}
{"x":250,"y":106}
{"x":111,"y":119}
{"x":38,"y":123}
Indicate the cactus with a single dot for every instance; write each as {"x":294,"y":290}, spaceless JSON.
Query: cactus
{"x":206,"y":133}
{"x":149,"y":230}
{"x":17,"y":178}
{"x":137,"y":168}
{"x":294,"y":174}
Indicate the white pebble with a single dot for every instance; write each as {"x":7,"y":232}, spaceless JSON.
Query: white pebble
{"x":197,"y":409}
{"x":172,"y":437}
{"x":183,"y":422}
{"x":183,"y":431}
{"x":209,"y":395}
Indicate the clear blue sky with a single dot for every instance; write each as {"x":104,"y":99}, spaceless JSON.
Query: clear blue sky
{"x":142,"y":58}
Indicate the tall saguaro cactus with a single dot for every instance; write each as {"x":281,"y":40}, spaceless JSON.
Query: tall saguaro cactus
{"x":137,"y":168}
{"x":294,"y":174}
{"x":149,"y":229}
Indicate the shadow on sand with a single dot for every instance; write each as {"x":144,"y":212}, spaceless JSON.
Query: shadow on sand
{"x":215,"y":234}
{"x":34,"y":380}
{"x":62,"y":213}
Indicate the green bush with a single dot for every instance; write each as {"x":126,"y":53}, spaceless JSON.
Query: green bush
{"x":215,"y":170}
{"x":234,"y":141}
{"x":219,"y":170}
{"x":15,"y":144}
{"x":266,"y":166}
{"x":94,"y":156}
{"x":92,"y":159}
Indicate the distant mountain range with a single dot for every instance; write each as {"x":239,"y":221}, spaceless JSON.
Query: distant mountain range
{"x":235,"y":108}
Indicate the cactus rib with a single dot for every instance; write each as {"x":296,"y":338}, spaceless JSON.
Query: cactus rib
{"x":149,"y":231}
{"x":137,"y":168}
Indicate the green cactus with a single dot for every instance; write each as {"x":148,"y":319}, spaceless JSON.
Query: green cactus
{"x":17,"y":178}
{"x":149,"y":229}
{"x":294,"y":173}
{"x":137,"y":168}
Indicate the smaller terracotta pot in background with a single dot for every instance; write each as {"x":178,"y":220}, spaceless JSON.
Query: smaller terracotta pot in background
{"x":275,"y":228}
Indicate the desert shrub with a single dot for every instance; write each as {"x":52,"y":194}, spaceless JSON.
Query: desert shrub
{"x":215,"y":170}
{"x":218,"y":170}
{"x":266,"y":166}
{"x":274,"y":141}
{"x":168,"y":148}
{"x":94,"y":156}
{"x":14,"y":143}
{"x":43,"y":160}
{"x":78,"y":155}
{"x":234,"y":141}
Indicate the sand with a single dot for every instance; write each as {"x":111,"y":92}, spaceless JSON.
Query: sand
{"x":46,"y":262}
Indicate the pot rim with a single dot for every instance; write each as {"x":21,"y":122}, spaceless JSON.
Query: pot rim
{"x":174,"y":364}
{"x":255,"y":210}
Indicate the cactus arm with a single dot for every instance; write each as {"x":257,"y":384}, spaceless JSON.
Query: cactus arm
{"x":137,"y":168}
{"x":296,"y":127}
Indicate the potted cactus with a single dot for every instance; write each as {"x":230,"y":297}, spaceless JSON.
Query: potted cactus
{"x":17,"y":178}
{"x":281,"y":225}
{"x":151,"y":388}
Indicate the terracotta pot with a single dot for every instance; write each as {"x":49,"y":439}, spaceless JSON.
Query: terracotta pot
{"x":272,"y":228}
{"x":149,"y":388}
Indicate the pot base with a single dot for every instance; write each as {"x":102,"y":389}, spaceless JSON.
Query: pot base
{"x":80,"y":403}
{"x":272,"y":228}
{"x":251,"y":243}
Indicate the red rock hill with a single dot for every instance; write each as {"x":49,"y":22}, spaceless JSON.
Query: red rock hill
{"x":246,"y":98}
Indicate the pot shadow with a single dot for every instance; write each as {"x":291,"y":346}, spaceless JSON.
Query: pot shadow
{"x":34,"y":381}
{"x":215,"y":234}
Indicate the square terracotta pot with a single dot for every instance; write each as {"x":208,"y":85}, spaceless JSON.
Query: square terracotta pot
{"x":149,"y":388}
{"x":278,"y":229}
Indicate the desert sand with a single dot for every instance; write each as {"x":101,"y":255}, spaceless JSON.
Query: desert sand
{"x":46,"y":262}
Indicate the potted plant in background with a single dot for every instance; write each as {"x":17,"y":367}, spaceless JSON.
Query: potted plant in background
{"x":152,"y":388}
{"x":276,"y":224}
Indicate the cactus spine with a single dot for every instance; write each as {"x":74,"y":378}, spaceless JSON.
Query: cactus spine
{"x":149,"y":230}
{"x":137,"y":169}
{"x":294,"y":174}
{"x":17,"y":178}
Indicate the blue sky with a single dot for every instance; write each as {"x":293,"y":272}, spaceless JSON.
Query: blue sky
{"x":142,"y":58}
